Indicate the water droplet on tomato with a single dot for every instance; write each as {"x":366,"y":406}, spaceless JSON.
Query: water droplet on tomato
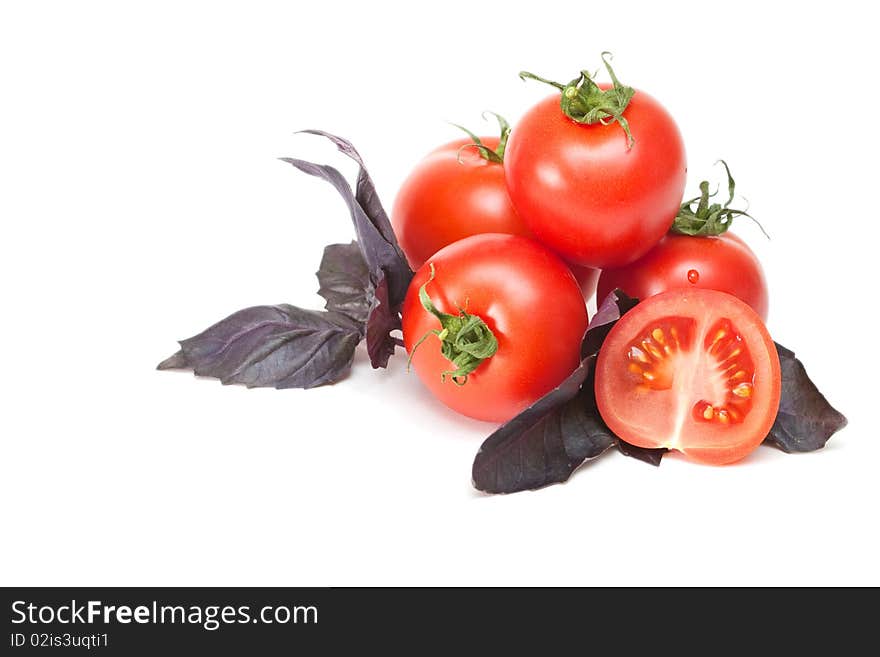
{"x":693,"y":276}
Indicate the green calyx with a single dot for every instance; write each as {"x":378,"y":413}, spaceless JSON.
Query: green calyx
{"x":465,"y":340}
{"x":709,"y":219}
{"x":485,"y":152}
{"x":584,"y":102}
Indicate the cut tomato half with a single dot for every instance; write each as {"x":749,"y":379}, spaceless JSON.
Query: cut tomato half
{"x":690,"y":370}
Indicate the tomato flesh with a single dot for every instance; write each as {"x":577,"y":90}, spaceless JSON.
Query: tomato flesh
{"x":690,"y":370}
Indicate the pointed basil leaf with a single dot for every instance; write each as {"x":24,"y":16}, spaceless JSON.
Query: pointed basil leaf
{"x":345,"y":281}
{"x":549,"y":440}
{"x":281,"y":346}
{"x":545,"y":443}
{"x":652,"y":456}
{"x":176,"y":361}
{"x":383,"y":258}
{"x":805,"y":420}
{"x":365,"y":190}
{"x":378,"y":253}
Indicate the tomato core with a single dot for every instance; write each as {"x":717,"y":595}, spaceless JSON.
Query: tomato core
{"x":729,"y":370}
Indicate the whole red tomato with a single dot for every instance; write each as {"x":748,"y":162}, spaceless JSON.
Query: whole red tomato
{"x":598,"y":174}
{"x":507,"y":311}
{"x":456,"y":191}
{"x":721,"y":263}
{"x":697,"y":253}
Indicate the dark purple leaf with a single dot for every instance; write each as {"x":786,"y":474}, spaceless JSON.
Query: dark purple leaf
{"x":379,"y":254}
{"x":363,"y":284}
{"x":345,"y":281}
{"x":548,"y":441}
{"x":382,"y":320}
{"x":383,"y":256}
{"x":176,"y":361}
{"x":365,"y":189}
{"x":614,"y":306}
{"x":805,"y":420}
{"x":281,"y":346}
{"x":652,"y":456}
{"x":545,"y":443}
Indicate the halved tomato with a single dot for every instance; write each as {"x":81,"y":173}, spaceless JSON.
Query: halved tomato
{"x":690,"y":370}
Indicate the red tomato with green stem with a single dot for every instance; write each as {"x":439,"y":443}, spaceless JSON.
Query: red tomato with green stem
{"x":458,"y":190}
{"x":492,"y":323}
{"x":691,"y":370}
{"x":597,"y":173}
{"x":697,"y":253}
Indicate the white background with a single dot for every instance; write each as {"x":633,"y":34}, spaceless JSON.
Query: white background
{"x":141,"y":200}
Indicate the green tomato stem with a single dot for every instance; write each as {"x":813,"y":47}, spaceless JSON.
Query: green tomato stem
{"x":497,"y":155}
{"x":465,"y":340}
{"x":709,"y":219}
{"x":584,"y":102}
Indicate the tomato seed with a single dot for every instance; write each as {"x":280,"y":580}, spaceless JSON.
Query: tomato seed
{"x":639,"y":355}
{"x":743,"y":390}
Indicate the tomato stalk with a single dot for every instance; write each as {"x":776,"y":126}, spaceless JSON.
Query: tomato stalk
{"x":465,"y":340}
{"x":584,"y":102}
{"x":709,"y":219}
{"x":497,"y":155}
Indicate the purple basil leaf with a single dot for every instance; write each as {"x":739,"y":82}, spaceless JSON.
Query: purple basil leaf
{"x":548,"y":441}
{"x":176,"y":361}
{"x":379,"y":254}
{"x":345,"y":282}
{"x":545,"y":443}
{"x":384,"y":259}
{"x":382,"y":320}
{"x":614,"y":306}
{"x":365,"y":190}
{"x":652,"y":456}
{"x":805,"y":420}
{"x":281,"y":346}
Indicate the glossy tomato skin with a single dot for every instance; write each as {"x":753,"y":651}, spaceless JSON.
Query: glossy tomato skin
{"x":451,"y":194}
{"x":584,"y":194}
{"x":723,"y":263}
{"x":529,"y":299}
{"x":693,"y":370}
